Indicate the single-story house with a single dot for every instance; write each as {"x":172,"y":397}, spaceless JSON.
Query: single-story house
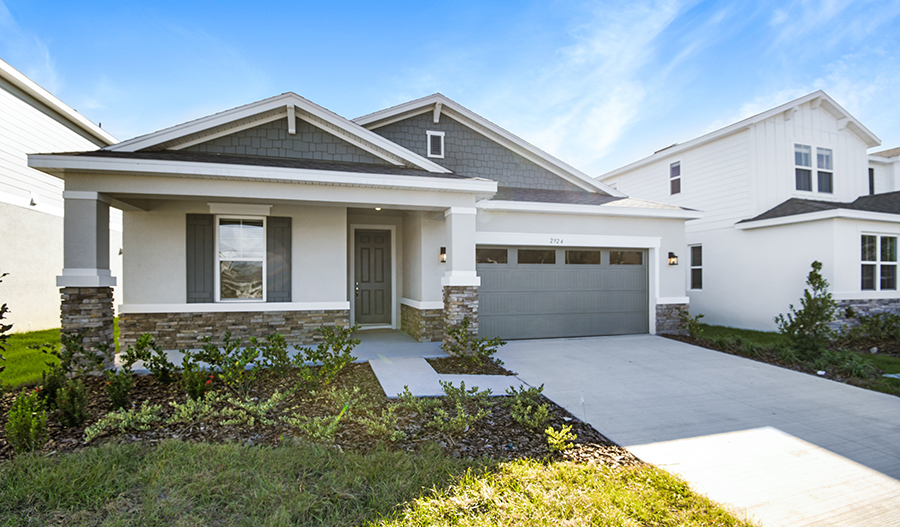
{"x":281,"y":215}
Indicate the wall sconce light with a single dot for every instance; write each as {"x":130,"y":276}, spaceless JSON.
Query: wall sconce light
{"x":377,"y":208}
{"x":443,"y":255}
{"x":673,"y":259}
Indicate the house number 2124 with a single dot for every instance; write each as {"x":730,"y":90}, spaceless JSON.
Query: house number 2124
{"x":556,"y":241}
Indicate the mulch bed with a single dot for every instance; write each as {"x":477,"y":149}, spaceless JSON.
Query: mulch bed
{"x":451,"y":365}
{"x":497,"y":436}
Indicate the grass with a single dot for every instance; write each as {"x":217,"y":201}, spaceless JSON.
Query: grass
{"x":181,"y":483}
{"x":767,"y":339}
{"x":23,"y":365}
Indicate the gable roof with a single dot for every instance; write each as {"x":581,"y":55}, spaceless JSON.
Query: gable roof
{"x":819,"y":97}
{"x":887,"y":203}
{"x":439,"y":103}
{"x":285,"y":106}
{"x":893,"y":152}
{"x":20,"y":81}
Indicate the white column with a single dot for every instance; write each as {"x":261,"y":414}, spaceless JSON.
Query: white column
{"x":461,"y":250}
{"x":86,"y":241}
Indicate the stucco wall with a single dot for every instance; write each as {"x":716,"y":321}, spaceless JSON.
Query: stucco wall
{"x":424,"y":235}
{"x":154,"y":252}
{"x":471,"y":154}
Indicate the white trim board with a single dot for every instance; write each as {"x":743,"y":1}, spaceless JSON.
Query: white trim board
{"x":566,"y":240}
{"x":847,"y":214}
{"x":421,"y":305}
{"x":589,"y":210}
{"x":234,"y":307}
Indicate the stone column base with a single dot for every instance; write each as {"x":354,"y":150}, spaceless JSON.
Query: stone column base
{"x":91,"y":309}
{"x":460,"y":302}
{"x":668,"y":319}
{"x":424,"y":325}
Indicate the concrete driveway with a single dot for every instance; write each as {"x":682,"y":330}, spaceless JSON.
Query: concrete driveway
{"x":784,"y":447}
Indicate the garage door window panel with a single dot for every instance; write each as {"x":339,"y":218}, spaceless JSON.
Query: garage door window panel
{"x":537,"y":256}
{"x":579,"y":257}
{"x":491,"y":256}
{"x":626,"y":258}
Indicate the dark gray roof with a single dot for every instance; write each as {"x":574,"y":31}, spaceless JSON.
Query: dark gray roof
{"x":281,"y":162}
{"x":552,"y":196}
{"x":888,"y":202}
{"x":893,"y":152}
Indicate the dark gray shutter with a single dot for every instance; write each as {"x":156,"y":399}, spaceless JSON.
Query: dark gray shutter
{"x":200,"y":258}
{"x":278,"y":259}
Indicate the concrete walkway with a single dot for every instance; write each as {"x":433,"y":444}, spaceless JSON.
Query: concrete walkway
{"x":396,"y":374}
{"x":783,"y":447}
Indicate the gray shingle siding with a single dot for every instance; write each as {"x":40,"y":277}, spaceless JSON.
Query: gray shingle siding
{"x":471,"y":154}
{"x":272,"y":140}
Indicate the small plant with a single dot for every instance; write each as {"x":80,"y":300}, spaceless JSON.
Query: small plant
{"x":121,"y":420}
{"x":355,"y":400}
{"x":4,"y":328}
{"x":238,"y":367}
{"x":333,"y":353}
{"x":473,"y":350}
{"x":691,"y":323}
{"x":876,"y":328}
{"x":194,"y":409}
{"x":196,"y":381}
{"x":275,"y":355}
{"x":525,"y":409}
{"x":383,"y":425}
{"x":787,"y":355}
{"x":808,"y":327}
{"x":71,"y":402}
{"x":420,"y":405}
{"x":54,"y":378}
{"x":319,"y":429}
{"x":74,"y":359}
{"x":461,"y":395}
{"x":118,"y":387}
{"x":559,"y":441}
{"x":26,"y":429}
{"x":248,"y":412}
{"x":153,"y":357}
{"x":457,"y":423}
{"x":750,"y":349}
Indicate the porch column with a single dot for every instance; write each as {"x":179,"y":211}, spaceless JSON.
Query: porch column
{"x":86,"y":282}
{"x":460,"y":282}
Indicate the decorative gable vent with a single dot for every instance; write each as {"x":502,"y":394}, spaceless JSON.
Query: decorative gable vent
{"x":435,"y":144}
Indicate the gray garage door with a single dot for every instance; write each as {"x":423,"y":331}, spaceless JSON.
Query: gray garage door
{"x":544,"y":293}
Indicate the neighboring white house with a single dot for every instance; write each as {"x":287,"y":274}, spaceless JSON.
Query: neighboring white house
{"x":31,"y":202}
{"x":283,"y":216}
{"x":884,"y":171}
{"x":778,"y":191}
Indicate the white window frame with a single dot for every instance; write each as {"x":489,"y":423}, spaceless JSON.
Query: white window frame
{"x":692,"y":267}
{"x":878,"y":262}
{"x":675,"y":178}
{"x":813,"y":168}
{"x":428,"y":135}
{"x":218,"y":268}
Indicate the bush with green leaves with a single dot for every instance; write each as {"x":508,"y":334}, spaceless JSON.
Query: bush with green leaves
{"x":473,"y":350}
{"x":122,"y":420}
{"x":154,"y":358}
{"x":71,"y":403}
{"x":845,"y":362}
{"x":383,"y":424}
{"x":418,"y":405}
{"x":460,"y":409}
{"x":196,"y":381}
{"x":872,"y":329}
{"x":237,"y":367}
{"x":248,"y":412}
{"x":274,"y":353}
{"x":118,"y":387}
{"x":808,"y":328}
{"x":4,"y":329}
{"x":332,"y":354}
{"x":26,"y":429}
{"x":73,"y":360}
{"x":526,"y":408}
{"x":319,"y":429}
{"x":559,"y":440}
{"x":691,"y":323}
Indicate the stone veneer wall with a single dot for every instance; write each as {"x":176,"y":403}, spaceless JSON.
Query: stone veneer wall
{"x":89,"y":308}
{"x":668,"y":319}
{"x":186,"y":330}
{"x":460,"y":302}
{"x":866,"y":307}
{"x":424,"y":325}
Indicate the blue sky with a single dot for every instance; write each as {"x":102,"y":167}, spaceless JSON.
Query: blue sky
{"x":599,"y":84}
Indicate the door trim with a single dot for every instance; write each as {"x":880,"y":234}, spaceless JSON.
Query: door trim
{"x":352,"y":268}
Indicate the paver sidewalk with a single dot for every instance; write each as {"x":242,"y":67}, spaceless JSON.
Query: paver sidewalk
{"x":396,"y":373}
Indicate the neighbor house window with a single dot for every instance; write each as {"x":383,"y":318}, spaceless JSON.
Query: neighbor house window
{"x":675,"y":178}
{"x":696,"y":266}
{"x":241,"y":258}
{"x":435,"y":144}
{"x":871,"y":181}
{"x":879,"y":263}
{"x":824,"y":169}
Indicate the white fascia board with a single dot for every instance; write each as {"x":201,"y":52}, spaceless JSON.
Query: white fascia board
{"x":514,"y":142}
{"x":272,"y":103}
{"x":589,"y":210}
{"x":55,"y":163}
{"x":883,"y":160}
{"x":233,"y":307}
{"x":534,"y":239}
{"x":832,"y":107}
{"x":847,"y":214}
{"x":14,"y":77}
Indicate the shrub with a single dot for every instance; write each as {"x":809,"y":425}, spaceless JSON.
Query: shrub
{"x":525,"y":408}
{"x":54,"y":378}
{"x":4,"y":328}
{"x":275,"y":355}
{"x":196,"y":381}
{"x":73,"y":361}
{"x":473,"y":350}
{"x":153,"y":357}
{"x":248,"y":412}
{"x":194,"y":410}
{"x":461,"y":395}
{"x":237,"y":366}
{"x":459,"y":419}
{"x":118,"y":387}
{"x":875,"y":328}
{"x":383,"y":425}
{"x":121,"y":420}
{"x":71,"y":402}
{"x":559,"y":441}
{"x":808,"y":327}
{"x":319,"y":429}
{"x":26,"y":429}
{"x":333,"y":353}
{"x":691,"y":324}
{"x":420,"y":405}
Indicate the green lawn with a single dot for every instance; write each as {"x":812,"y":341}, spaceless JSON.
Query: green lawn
{"x":768,"y":339}
{"x":23,"y":365}
{"x":180,"y":483}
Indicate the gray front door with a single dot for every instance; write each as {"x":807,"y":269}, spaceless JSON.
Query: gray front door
{"x":546,"y":292}
{"x":373,"y":277}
